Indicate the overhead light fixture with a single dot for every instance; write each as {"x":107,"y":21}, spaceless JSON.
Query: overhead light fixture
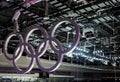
{"x":46,"y":18}
{"x":105,"y":62}
{"x":46,"y":10}
{"x":113,"y":64}
{"x":69,"y":54}
{"x":83,"y":1}
{"x":7,"y":0}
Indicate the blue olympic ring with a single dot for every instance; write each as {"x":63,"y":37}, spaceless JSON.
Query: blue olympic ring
{"x":35,"y":54}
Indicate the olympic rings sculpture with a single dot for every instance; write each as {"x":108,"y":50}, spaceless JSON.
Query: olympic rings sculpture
{"x":35,"y":54}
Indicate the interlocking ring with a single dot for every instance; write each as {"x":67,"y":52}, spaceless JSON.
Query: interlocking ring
{"x":5,"y":50}
{"x":29,"y":52}
{"x":35,"y":54}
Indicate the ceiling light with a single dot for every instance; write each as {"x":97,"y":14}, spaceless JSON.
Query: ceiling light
{"x":78,"y":1}
{"x":113,"y":64}
{"x":46,"y":18}
{"x":105,"y":62}
{"x":7,"y":0}
{"x":69,"y":54}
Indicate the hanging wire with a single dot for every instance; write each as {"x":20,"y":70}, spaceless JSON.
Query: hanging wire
{"x":67,"y":41}
{"x":16,"y":25}
{"x":67,"y":37}
{"x":115,"y":75}
{"x":46,"y":10}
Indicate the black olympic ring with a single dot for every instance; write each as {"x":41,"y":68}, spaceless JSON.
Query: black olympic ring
{"x":35,"y":54}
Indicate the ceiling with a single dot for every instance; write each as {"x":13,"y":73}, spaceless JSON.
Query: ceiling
{"x":99,"y":22}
